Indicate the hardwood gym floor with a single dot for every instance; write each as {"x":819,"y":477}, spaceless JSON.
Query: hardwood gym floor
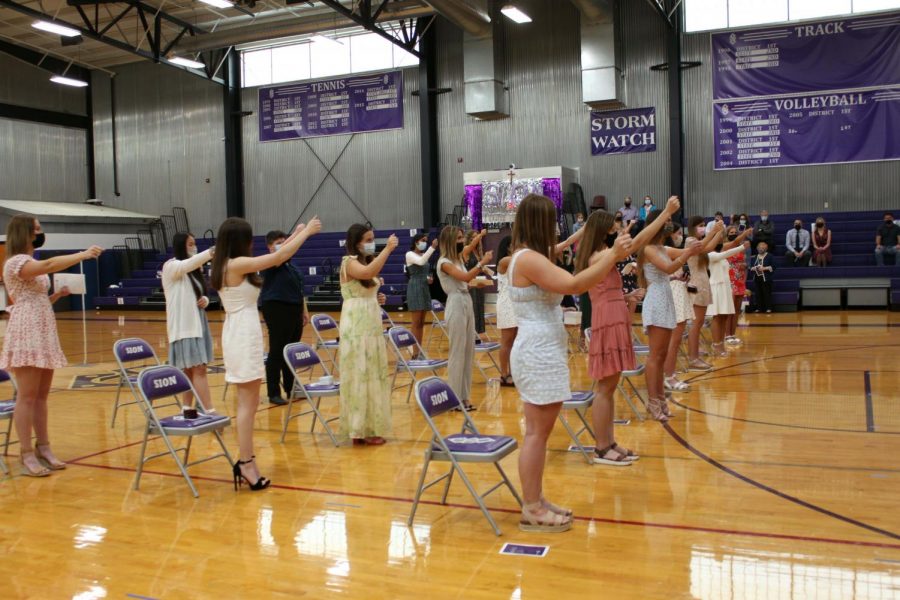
{"x":778,"y":478}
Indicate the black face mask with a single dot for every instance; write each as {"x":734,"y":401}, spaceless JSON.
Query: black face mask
{"x":628,"y":203}
{"x":888,"y":222}
{"x":731,"y":237}
{"x":798,"y":227}
{"x":611,"y":239}
{"x":460,"y":246}
{"x":39,"y":240}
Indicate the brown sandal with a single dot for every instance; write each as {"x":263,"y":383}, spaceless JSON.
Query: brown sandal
{"x":602,"y":457}
{"x":629,"y":455}
{"x":548,"y":522}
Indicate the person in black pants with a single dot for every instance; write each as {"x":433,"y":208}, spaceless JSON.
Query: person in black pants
{"x":763,"y":269}
{"x":284,"y":310}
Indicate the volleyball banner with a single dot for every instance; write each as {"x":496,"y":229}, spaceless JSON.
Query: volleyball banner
{"x":623,"y":131}
{"x":331,"y":107}
{"x":830,"y":127}
{"x":838,"y":54}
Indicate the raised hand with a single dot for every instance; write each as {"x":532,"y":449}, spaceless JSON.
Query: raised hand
{"x":392,"y":242}
{"x":487,"y":257}
{"x":673,"y":204}
{"x":312,"y":228}
{"x":92,"y":252}
{"x":434,"y":243}
{"x":64,"y":291}
{"x":693,"y":247}
{"x":381,"y":298}
{"x":622,"y":247}
{"x":483,"y":232}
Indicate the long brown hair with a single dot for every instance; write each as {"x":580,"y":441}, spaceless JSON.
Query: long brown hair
{"x":351,"y":246}
{"x":656,"y":241}
{"x":179,"y":247}
{"x":19,"y":234}
{"x":693,"y":223}
{"x":596,"y":228}
{"x":535,"y":225}
{"x":235,"y":239}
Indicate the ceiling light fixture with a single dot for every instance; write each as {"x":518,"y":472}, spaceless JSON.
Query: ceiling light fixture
{"x":68,"y":81}
{"x":50,"y":27}
{"x":324,"y":39}
{"x":186,"y":62}
{"x":515,"y":14}
{"x":219,"y":3}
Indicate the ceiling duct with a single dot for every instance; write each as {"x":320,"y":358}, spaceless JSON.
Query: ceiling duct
{"x":484,"y":68}
{"x":602,"y":79}
{"x":287,"y":26}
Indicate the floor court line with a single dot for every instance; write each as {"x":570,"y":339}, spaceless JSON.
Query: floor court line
{"x":793,"y":499}
{"x":759,"y":534}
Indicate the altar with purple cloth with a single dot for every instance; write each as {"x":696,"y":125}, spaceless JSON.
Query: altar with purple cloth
{"x":492,"y":197}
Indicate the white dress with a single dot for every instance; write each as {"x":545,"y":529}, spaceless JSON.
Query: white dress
{"x":539,"y":359}
{"x":242,"y":339}
{"x":506,"y":318}
{"x":720,"y":282}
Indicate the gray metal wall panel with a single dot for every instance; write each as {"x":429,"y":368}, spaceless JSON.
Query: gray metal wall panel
{"x":549,"y":125}
{"x":26,"y":85}
{"x":42,"y":162}
{"x":857,"y":186}
{"x":381,"y":172}
{"x":169,"y":129}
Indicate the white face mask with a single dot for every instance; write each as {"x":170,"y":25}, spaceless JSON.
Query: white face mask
{"x":421,"y":246}
{"x":648,"y":201}
{"x":369,"y":248}
{"x":192,"y":251}
{"x":764,"y":218}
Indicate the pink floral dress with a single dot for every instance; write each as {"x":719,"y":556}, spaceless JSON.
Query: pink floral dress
{"x":31,"y":339}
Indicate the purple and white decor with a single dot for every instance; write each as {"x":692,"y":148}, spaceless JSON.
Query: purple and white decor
{"x":623,"y":131}
{"x":492,"y":197}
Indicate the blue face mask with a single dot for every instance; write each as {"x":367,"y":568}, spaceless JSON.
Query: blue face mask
{"x":369,"y":248}
{"x":421,"y":246}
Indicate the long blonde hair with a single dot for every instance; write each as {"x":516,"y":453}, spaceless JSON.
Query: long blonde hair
{"x":656,"y":241}
{"x":447,"y":243}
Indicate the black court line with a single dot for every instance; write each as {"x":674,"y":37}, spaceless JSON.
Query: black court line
{"x":870,"y":414}
{"x":775,"y":492}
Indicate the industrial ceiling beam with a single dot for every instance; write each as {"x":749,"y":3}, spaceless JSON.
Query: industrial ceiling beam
{"x":409,"y":33}
{"x":43,"y":61}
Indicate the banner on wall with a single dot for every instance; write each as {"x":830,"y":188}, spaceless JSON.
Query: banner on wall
{"x":837,"y":54}
{"x":331,"y":107}
{"x":808,"y":129}
{"x":623,"y":131}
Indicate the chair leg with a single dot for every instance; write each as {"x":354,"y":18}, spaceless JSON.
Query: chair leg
{"x":412,"y":384}
{"x":509,"y":484}
{"x":586,"y":424}
{"x":6,"y":439}
{"x":178,"y":462}
{"x":112,"y":423}
{"x":187,"y":450}
{"x":3,"y":466}
{"x":479,"y":500}
{"x":447,"y":487}
{"x":629,"y":400}
{"x":574,"y":436}
{"x":225,"y":392}
{"x":140,"y":467}
{"x":287,"y":417}
{"x":225,"y":451}
{"x":419,"y":489}
{"x":316,"y":413}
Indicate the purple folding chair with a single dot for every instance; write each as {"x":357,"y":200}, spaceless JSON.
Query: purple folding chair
{"x":402,"y":338}
{"x":301,"y":357}
{"x":437,"y":322}
{"x":128,"y":352}
{"x":6,"y":414}
{"x":159,"y":388}
{"x":320,"y":324}
{"x":386,"y":320}
{"x":434,"y":397}
{"x":483,"y":347}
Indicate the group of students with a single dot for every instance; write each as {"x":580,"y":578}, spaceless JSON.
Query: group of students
{"x":531,"y":283}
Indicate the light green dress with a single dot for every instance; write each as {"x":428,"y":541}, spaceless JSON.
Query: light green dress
{"x":365,"y":389}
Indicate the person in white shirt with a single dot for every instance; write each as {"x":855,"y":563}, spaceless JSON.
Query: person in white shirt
{"x":190,"y":341}
{"x":418,"y":296}
{"x":797,"y":245}
{"x":717,"y":218}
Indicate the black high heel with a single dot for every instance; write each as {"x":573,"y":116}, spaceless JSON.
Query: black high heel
{"x":239,"y":478}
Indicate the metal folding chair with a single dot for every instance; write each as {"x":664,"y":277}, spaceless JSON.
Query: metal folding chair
{"x":434,"y":397}
{"x":437,"y":322}
{"x":579,"y":403}
{"x":386,"y":321}
{"x":6,"y":414}
{"x":401,"y":338}
{"x":627,"y":378}
{"x":320,"y":324}
{"x":128,"y":351}
{"x":165,"y":382}
{"x":486,"y":348}
{"x":302,"y":358}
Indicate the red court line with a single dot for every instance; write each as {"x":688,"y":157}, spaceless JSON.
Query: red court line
{"x":759,"y":534}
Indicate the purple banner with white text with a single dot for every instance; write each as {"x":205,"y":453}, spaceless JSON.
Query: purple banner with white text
{"x":623,"y":131}
{"x":808,"y":130}
{"x":837,"y":54}
{"x":331,"y":107}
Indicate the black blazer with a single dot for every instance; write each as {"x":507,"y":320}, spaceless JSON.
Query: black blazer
{"x":765,"y":261}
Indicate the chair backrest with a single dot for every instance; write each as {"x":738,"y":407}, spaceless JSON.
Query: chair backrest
{"x":5,"y":376}
{"x":401,"y":337}
{"x":435,"y":397}
{"x":132,"y":350}
{"x":323,"y":322}
{"x":162,"y":381}
{"x":436,"y":306}
{"x":385,"y":317}
{"x":301,"y":356}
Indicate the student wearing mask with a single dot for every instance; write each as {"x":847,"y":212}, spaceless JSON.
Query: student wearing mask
{"x":579,"y":222}
{"x":473,"y":244}
{"x":418,"y":296}
{"x":763,"y":269}
{"x":285,"y":314}
{"x":743,"y":222}
{"x":887,"y":240}
{"x":646,"y":208}
{"x":797,"y":243}
{"x":737,"y":274}
{"x":629,"y":212}
{"x":717,"y":218}
{"x":821,"y":240}
{"x":764,"y":231}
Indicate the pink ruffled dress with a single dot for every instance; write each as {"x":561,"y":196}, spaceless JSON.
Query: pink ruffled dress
{"x":31,"y":339}
{"x":611,"y":350}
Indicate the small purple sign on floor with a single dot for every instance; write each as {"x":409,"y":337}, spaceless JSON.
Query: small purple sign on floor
{"x":525,"y":550}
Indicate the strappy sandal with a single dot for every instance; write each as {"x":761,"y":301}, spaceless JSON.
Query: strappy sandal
{"x":507,"y":381}
{"x":566,"y":512}
{"x":548,"y":522}
{"x":673,"y":384}
{"x":657,"y":413}
{"x":665,"y":406}
{"x":601,"y":457}
{"x":629,"y":455}
{"x":56,"y":465}
{"x":699,"y":365}
{"x":28,"y":472}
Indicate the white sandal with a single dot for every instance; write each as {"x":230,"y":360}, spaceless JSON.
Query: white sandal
{"x":675,"y":385}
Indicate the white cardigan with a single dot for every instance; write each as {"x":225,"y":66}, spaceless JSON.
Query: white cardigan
{"x":182,"y":314}
{"x":718,"y":265}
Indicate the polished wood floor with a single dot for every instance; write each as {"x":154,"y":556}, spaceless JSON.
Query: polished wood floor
{"x":778,"y":478}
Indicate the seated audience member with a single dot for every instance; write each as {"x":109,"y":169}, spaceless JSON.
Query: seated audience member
{"x":764,"y":231}
{"x":821,"y":240}
{"x":629,"y":213}
{"x":646,"y":209}
{"x":763,"y":269}
{"x":579,"y":222}
{"x":887,"y":240}
{"x":743,"y":222}
{"x":718,"y":218}
{"x":797,"y":243}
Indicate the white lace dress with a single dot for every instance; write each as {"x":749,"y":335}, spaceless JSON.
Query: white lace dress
{"x":658,"y":308}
